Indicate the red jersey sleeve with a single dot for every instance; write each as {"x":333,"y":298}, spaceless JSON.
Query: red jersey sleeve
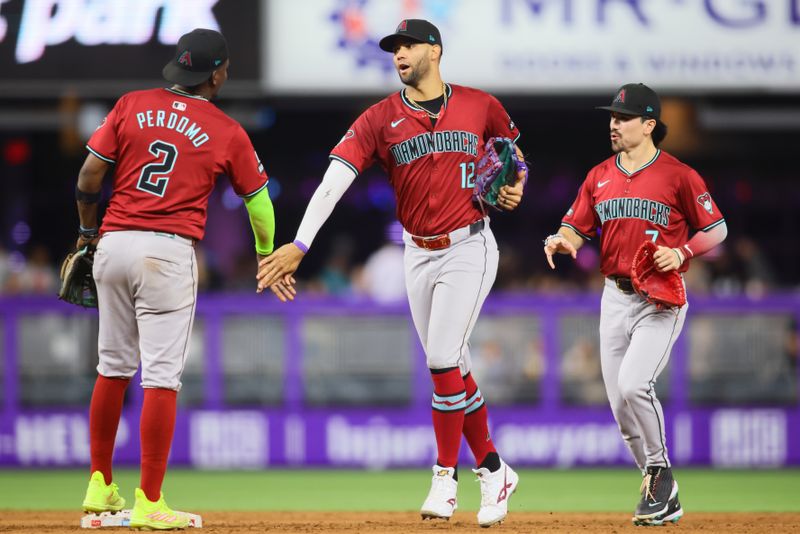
{"x":357,"y":147}
{"x":581,"y":216}
{"x":700,"y":209}
{"x":498,"y":122}
{"x":243,"y":166}
{"x":104,"y":141}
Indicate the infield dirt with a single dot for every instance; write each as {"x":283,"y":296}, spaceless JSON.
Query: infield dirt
{"x":410,"y":523}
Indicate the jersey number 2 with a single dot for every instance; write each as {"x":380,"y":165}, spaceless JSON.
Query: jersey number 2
{"x":155,"y":175}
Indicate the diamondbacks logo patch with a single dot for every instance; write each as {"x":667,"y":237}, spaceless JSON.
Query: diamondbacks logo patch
{"x":402,"y":26}
{"x":705,"y":201}
{"x":185,"y":58}
{"x":620,"y":97}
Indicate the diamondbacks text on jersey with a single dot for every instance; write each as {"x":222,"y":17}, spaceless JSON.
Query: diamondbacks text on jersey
{"x":432,"y":168}
{"x":662,"y":201}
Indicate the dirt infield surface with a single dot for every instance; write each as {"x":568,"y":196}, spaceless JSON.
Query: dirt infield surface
{"x":410,"y":523}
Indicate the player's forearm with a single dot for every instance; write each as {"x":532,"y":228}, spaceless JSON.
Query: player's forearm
{"x":570,"y":235}
{"x":337,"y":179}
{"x":262,"y":219}
{"x":87,"y":190}
{"x":702,"y":242}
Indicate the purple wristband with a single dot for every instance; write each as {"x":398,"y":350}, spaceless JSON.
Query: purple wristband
{"x":302,"y":246}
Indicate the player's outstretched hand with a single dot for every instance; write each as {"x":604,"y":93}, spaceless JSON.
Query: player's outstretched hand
{"x":557,"y":243}
{"x":510,"y":197}
{"x":284,"y":289}
{"x":275,"y":267}
{"x":667,"y":259}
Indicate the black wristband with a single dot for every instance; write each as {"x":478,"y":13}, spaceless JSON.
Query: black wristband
{"x":88,"y":233}
{"x":86,"y":198}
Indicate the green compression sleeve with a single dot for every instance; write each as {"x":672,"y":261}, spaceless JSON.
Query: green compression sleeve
{"x":262,"y":219}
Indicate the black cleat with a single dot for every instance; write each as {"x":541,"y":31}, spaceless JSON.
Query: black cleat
{"x":672,"y":515}
{"x":659,"y":497}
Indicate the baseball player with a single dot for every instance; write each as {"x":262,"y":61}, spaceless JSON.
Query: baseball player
{"x":641,"y":193}
{"x":428,"y":137}
{"x":167,"y":147}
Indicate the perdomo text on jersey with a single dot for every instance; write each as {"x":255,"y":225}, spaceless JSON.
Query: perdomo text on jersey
{"x":173,"y":121}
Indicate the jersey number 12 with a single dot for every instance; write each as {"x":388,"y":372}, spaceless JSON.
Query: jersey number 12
{"x":467,"y":175}
{"x":155,"y":175}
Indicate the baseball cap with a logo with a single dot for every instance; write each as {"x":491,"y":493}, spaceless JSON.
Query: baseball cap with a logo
{"x":636,"y":99}
{"x":197,"y":54}
{"x":414,"y":29}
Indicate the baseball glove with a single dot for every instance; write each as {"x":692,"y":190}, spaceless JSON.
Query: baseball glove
{"x":77,"y":282}
{"x":664,"y":289}
{"x":499,"y":166}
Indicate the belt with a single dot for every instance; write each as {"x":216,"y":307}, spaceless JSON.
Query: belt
{"x":623,"y":284}
{"x":441,"y":241}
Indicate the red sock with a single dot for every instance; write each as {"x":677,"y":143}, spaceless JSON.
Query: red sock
{"x":156,"y":428}
{"x":104,"y":413}
{"x":448,"y":413}
{"x":476,"y":422}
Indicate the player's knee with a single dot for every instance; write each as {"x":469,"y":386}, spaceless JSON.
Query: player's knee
{"x":629,"y":390}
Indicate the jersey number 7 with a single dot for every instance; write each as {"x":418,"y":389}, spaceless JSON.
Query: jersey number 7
{"x":155,"y":176}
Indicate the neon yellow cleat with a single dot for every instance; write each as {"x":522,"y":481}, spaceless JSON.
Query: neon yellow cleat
{"x":148,"y":515}
{"x":101,"y":497}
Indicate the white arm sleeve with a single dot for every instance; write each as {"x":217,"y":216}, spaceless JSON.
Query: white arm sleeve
{"x":337,"y":179}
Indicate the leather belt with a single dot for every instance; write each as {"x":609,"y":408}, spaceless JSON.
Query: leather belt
{"x":623,"y":284}
{"x":441,"y":241}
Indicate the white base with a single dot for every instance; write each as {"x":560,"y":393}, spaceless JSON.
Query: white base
{"x":123,"y":519}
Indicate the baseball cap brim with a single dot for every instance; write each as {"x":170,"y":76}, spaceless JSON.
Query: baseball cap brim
{"x":175,"y":74}
{"x":621,"y":109}
{"x":387,"y":43}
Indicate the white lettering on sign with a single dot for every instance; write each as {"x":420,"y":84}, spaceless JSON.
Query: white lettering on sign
{"x":224,"y":440}
{"x":60,"y":439}
{"x":563,"y":445}
{"x":748,"y":438}
{"x":378,"y":444}
{"x":131,"y":22}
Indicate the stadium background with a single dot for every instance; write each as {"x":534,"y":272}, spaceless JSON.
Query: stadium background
{"x":337,"y":378}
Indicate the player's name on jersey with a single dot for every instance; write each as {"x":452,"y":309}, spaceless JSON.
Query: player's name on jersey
{"x":172,"y":121}
{"x":633,"y":208}
{"x":423,"y":144}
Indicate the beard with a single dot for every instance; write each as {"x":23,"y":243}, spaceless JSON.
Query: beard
{"x":415,"y":73}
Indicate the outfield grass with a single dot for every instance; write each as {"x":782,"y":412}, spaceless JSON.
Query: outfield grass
{"x":540,"y":490}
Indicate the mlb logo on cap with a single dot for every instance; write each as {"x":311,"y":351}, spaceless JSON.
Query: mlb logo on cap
{"x":402,"y":26}
{"x":620,"y":97}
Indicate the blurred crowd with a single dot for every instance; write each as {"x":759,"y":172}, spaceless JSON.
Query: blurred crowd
{"x":738,"y":267}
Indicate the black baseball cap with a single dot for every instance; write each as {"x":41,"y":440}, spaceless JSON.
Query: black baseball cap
{"x":636,"y":99}
{"x":197,"y":54}
{"x":414,"y":29}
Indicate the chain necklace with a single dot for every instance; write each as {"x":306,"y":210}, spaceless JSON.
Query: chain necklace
{"x":431,"y":115}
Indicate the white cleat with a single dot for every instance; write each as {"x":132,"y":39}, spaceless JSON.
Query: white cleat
{"x":441,"y":501}
{"x":496,"y":489}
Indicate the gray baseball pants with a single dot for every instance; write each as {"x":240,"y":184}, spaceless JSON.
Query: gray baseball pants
{"x":635,"y":344}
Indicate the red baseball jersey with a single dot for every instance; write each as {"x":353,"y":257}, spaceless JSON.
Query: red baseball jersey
{"x":432,"y":169}
{"x":661,"y":202}
{"x":169,"y":147}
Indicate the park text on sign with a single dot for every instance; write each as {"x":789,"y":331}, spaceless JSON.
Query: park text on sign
{"x":51,"y":22}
